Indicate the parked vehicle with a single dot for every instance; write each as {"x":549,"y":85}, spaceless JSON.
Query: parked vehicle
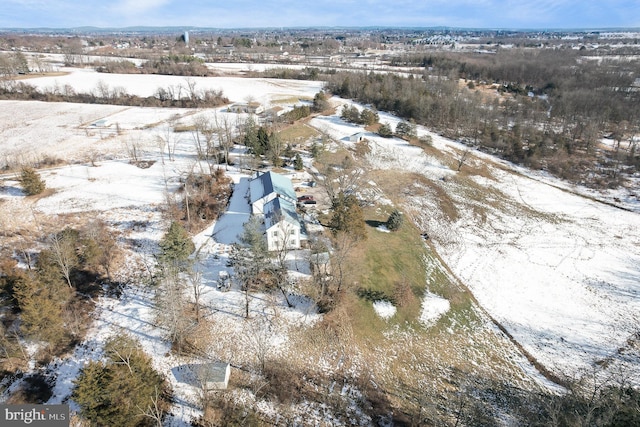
{"x":224,"y":281}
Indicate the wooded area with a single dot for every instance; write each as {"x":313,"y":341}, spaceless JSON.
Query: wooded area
{"x":546,"y":109}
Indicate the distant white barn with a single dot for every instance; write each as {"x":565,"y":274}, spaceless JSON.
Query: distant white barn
{"x":246,"y":107}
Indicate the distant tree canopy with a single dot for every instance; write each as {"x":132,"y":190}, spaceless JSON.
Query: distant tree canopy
{"x":545,"y":119}
{"x":172,"y":96}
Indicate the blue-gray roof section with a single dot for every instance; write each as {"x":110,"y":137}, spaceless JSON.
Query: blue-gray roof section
{"x":271,"y":182}
{"x":280,"y":209}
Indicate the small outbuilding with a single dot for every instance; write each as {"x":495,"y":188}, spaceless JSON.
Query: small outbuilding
{"x":357,"y":137}
{"x":247,"y":107}
{"x":204,"y":376}
{"x":213,"y":376}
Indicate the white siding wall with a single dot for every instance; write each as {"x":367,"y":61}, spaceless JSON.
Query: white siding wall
{"x":283,"y":233}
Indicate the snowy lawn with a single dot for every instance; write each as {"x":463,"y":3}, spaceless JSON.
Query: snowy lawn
{"x":559,"y":271}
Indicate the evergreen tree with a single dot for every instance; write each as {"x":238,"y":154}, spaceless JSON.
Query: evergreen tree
{"x":406,"y":130}
{"x":347,"y":216}
{"x":250,"y":257}
{"x":176,"y":246}
{"x":297,"y":163}
{"x":350,"y":114}
{"x":41,"y":308}
{"x":320,"y":102}
{"x":368,"y":117}
{"x":385,"y":131}
{"x":250,"y":133}
{"x":274,"y":149}
{"x":316,"y":149}
{"x":262,"y":141}
{"x":288,"y":152}
{"x":31,"y":182}
{"x":395,"y":220}
{"x":125,"y":391}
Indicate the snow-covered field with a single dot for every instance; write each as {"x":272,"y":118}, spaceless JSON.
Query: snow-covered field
{"x":237,"y":89}
{"x":559,"y":271}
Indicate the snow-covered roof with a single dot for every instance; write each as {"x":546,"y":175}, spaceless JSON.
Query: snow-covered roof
{"x":271,"y":182}
{"x":280,"y":209}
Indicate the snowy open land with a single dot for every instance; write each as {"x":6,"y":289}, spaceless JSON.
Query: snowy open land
{"x":559,"y":271}
{"x":237,"y":89}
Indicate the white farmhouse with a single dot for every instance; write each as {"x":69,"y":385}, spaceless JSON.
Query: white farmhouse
{"x":281,"y":224}
{"x":272,"y":196}
{"x":268,"y":186}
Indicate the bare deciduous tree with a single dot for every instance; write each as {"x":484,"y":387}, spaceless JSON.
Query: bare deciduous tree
{"x":462,"y":157}
{"x":344,"y":177}
{"x":64,"y":254}
{"x":225,"y":136}
{"x":259,"y":335}
{"x":195,"y":280}
{"x":154,"y":410}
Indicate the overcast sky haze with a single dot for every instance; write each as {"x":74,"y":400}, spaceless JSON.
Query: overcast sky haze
{"x":522,"y":14}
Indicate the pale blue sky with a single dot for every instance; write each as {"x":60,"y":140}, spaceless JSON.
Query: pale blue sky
{"x":300,"y":13}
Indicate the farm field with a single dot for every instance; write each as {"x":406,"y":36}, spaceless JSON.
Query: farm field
{"x":521,"y":271}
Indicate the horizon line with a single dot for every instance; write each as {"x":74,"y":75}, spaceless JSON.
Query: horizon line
{"x":150,"y":28}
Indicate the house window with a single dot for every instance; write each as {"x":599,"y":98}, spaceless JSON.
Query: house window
{"x":293,"y":244}
{"x":275,"y":233}
{"x":292,"y":232}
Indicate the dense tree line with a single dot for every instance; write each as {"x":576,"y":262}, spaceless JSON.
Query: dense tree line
{"x":13,"y":64}
{"x":596,"y":88}
{"x":558,"y":131}
{"x":174,"y":96}
{"x":172,"y":65}
{"x":206,"y":197}
{"x":306,"y":73}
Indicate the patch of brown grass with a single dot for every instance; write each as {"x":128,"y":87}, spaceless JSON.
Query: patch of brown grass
{"x":46,"y":193}
{"x":395,"y":183}
{"x":373,"y":128}
{"x":298,"y":133}
{"x":290,"y":100}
